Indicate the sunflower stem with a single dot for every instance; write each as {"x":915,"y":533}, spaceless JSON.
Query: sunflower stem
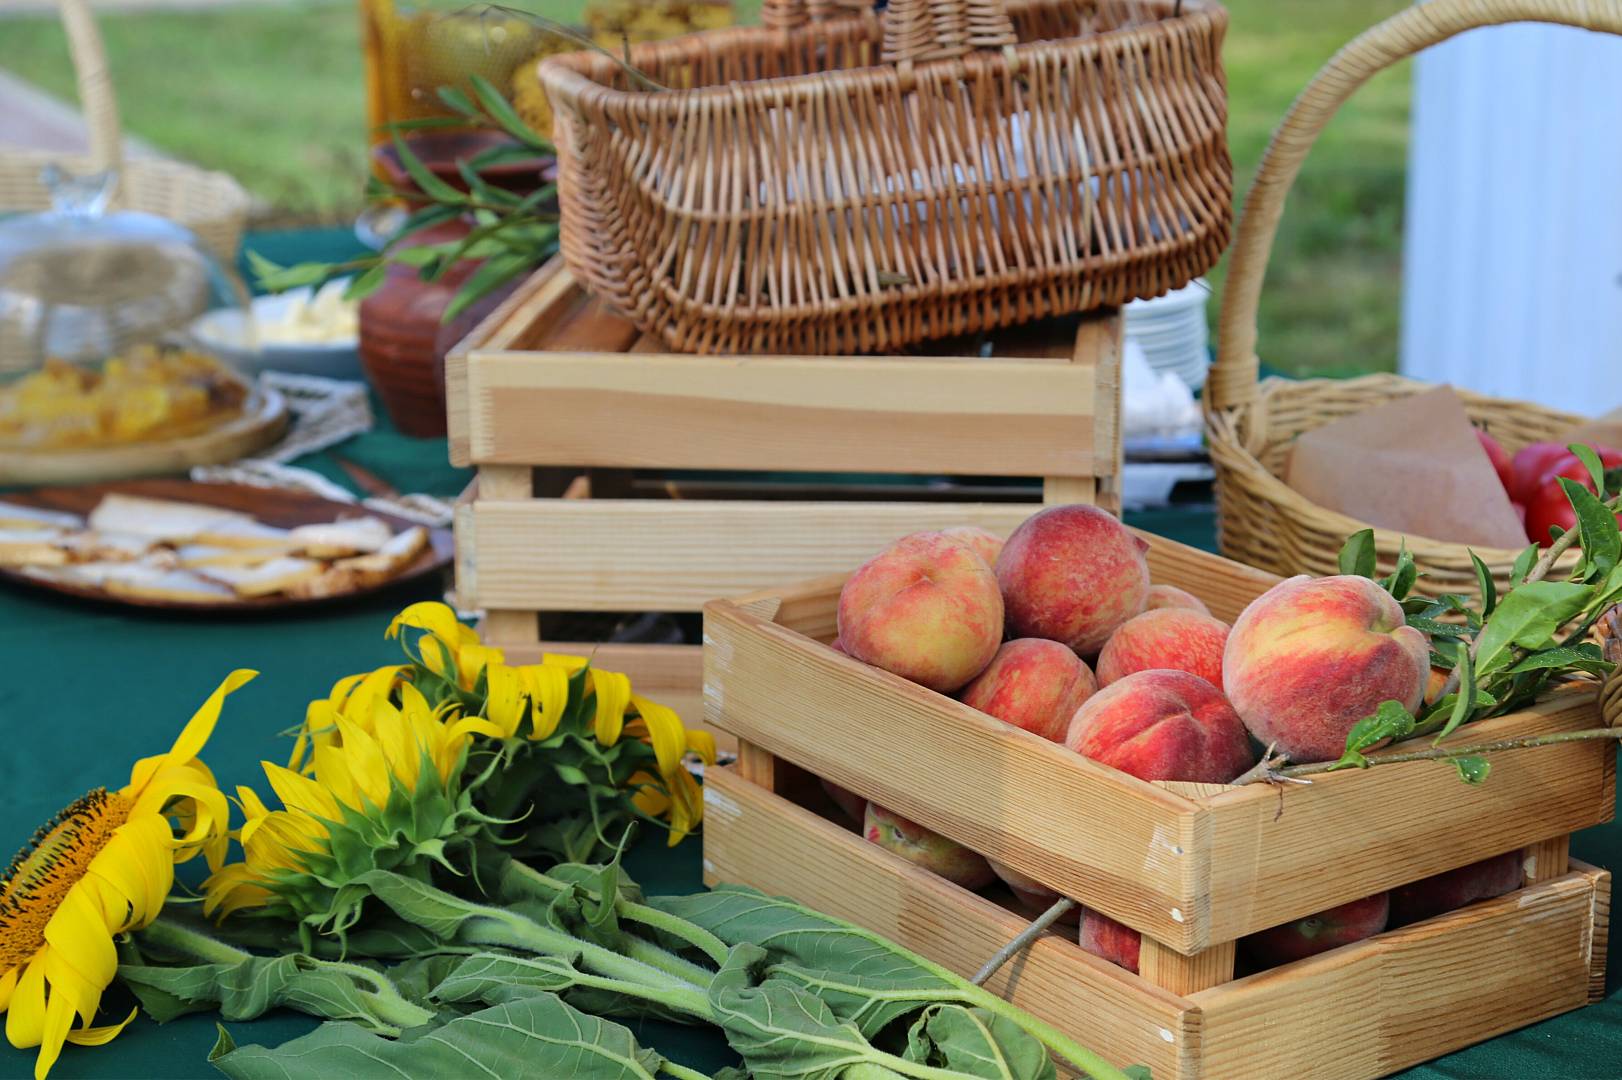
{"x":388,"y":1004}
{"x":696,"y":936}
{"x":169,"y":937}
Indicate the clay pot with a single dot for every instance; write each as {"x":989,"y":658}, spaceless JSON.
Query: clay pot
{"x":403,"y":341}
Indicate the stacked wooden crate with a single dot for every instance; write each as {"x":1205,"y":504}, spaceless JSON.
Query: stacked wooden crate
{"x":572,"y":418}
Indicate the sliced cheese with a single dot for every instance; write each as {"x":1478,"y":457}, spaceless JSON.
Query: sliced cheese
{"x":90,"y":547}
{"x":31,"y":547}
{"x":13,"y":516}
{"x":245,"y":534}
{"x":198,"y":556}
{"x":160,"y":519}
{"x":353,"y":536}
{"x":392,"y":556}
{"x":156,"y":583}
{"x":277,"y":575}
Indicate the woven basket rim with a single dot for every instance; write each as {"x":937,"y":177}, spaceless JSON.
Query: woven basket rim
{"x":1221,"y":431}
{"x":565,"y":76}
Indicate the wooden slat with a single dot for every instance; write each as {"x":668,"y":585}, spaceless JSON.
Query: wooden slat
{"x":748,"y":835}
{"x":1372,"y":1008}
{"x":1599,"y":942}
{"x":1225,"y":586}
{"x":1185,"y":974}
{"x":1546,"y":859}
{"x":534,"y":302}
{"x":1113,"y":842}
{"x":1277,"y":856}
{"x":1099,"y":342}
{"x":648,"y":555}
{"x":993,"y":417}
{"x":810,"y":608}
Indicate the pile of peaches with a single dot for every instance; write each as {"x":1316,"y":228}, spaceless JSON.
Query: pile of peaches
{"x":1060,"y":631}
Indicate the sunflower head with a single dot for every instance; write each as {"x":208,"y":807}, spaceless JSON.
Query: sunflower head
{"x":384,"y":789}
{"x":99,"y":868}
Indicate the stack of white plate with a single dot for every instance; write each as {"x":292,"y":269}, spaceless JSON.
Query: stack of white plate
{"x":1171,"y":330}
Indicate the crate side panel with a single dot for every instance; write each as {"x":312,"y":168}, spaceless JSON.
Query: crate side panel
{"x":1114,"y":843}
{"x":652,"y":555}
{"x":747,"y":830}
{"x":1280,"y":854}
{"x":819,"y":414}
{"x":1381,"y":1005}
{"x":1225,"y":586}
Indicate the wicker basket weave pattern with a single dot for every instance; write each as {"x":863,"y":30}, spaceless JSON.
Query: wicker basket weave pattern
{"x":1250,"y":426}
{"x":796,"y":192}
{"x":211,"y":204}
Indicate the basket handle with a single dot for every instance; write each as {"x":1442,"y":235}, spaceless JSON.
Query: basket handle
{"x":95,"y":85}
{"x":914,"y":30}
{"x":1232,"y":380}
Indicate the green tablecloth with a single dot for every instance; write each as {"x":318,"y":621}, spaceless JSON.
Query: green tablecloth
{"x":90,"y":689}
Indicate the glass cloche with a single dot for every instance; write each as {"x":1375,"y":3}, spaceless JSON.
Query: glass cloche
{"x":94,"y":304}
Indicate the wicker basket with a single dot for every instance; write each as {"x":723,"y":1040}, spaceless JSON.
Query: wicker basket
{"x":1262,"y":520}
{"x":850,"y":183}
{"x":211,"y":204}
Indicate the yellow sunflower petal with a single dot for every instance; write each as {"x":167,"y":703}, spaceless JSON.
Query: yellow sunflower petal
{"x":8,"y":983}
{"x":101,"y":1036}
{"x":647,"y":796}
{"x":504,"y":702}
{"x":80,"y":941}
{"x":701,"y":743}
{"x":613,"y":693}
{"x":374,"y":688}
{"x":432,"y":616}
{"x":548,"y":689}
{"x":58,"y":1019}
{"x":364,"y":763}
{"x":300,"y":792}
{"x":686,"y":805}
{"x":193,"y":736}
{"x":567,"y":661}
{"x":665,"y":732}
{"x":25,"y":1020}
{"x":474,"y":658}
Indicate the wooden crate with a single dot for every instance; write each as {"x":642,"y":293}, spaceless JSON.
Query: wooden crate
{"x":558,"y":403}
{"x":1193,"y":867}
{"x":1363,"y":1010}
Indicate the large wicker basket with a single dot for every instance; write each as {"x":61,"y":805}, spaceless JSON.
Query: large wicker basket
{"x":856,"y":183}
{"x":1262,"y":521}
{"x":211,"y":204}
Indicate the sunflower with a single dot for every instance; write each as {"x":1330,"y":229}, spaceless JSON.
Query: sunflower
{"x":383,"y":790}
{"x":100,"y":868}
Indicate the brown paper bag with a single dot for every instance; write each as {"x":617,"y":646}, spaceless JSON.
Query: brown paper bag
{"x":1413,"y":466}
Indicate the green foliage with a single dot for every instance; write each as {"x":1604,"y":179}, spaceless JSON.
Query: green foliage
{"x":534,"y":1035}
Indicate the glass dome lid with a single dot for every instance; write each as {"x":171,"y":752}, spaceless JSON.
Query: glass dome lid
{"x":83,"y":284}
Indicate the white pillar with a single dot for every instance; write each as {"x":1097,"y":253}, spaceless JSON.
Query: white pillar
{"x":1512,"y":268}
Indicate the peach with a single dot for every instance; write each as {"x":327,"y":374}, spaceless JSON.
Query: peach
{"x":838,"y":646}
{"x":926,"y":608}
{"x":1032,"y":894}
{"x":1034,"y":684}
{"x":1103,"y":936}
{"x":1170,"y":596}
{"x":926,"y":849}
{"x":1444,"y":892}
{"x":986,"y":544}
{"x":1317,"y":933}
{"x":1434,"y":681}
{"x":846,"y":799}
{"x":1072,"y":574}
{"x":1311,"y":657}
{"x":1162,"y":725}
{"x":1174,"y":638}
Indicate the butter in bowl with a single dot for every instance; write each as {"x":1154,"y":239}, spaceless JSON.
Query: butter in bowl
{"x":304,"y":331}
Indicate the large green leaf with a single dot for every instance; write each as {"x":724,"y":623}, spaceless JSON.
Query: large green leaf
{"x":539,"y":1036}
{"x":861,"y":977}
{"x":1357,"y":555}
{"x":1527,"y":617}
{"x":976,"y":1042}
{"x":1597,"y":530}
{"x":254,"y":985}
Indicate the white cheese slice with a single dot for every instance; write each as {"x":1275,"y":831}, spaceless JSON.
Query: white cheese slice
{"x":13,"y":516}
{"x":277,"y":575}
{"x":353,"y":536}
{"x":161,"y":519}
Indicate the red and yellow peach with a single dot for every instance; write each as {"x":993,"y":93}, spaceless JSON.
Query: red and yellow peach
{"x":1162,"y":725}
{"x":1170,"y":596}
{"x":926,"y":849}
{"x":1167,"y":638}
{"x":1311,"y":657}
{"x":1033,"y":684}
{"x":1072,"y":574}
{"x":926,"y":608}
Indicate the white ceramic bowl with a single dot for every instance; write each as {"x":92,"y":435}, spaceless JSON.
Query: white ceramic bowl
{"x":228,"y":334}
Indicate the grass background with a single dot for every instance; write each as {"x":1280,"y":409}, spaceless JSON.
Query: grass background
{"x":273,"y":94}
